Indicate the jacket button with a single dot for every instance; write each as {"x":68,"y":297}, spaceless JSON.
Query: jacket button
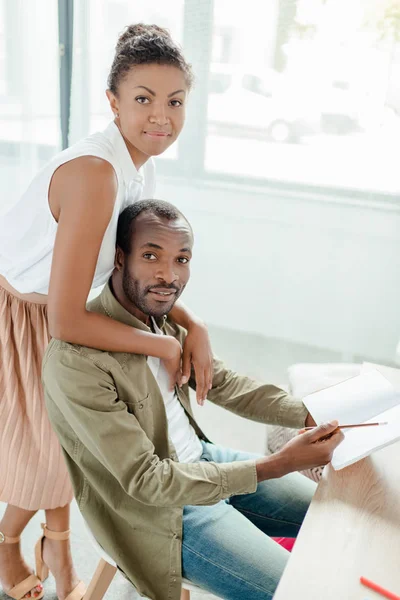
{"x":140,"y":405}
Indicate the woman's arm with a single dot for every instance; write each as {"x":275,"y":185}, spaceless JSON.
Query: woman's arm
{"x":81,"y":197}
{"x":196,"y":350}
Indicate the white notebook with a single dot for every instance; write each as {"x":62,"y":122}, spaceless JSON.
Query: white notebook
{"x":369,"y":397}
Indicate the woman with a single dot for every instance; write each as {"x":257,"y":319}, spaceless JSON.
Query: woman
{"x":57,"y":243}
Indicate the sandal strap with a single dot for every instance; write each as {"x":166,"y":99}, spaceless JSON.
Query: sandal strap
{"x":78,"y":592}
{"x":25,"y":586}
{"x":5,"y":539}
{"x":55,"y":535}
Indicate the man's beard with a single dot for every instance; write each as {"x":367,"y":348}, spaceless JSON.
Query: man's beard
{"x":138,"y":296}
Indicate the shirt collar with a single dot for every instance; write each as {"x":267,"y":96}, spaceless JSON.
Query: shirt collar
{"x":116,"y":311}
{"x":129,"y":172}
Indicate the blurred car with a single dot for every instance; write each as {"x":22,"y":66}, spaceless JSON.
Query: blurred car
{"x":270,"y":105}
{"x":340,"y":108}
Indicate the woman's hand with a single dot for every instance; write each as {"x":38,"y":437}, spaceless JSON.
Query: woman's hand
{"x":197,"y":352}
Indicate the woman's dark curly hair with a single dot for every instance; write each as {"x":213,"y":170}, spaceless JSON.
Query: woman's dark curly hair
{"x":142,"y":44}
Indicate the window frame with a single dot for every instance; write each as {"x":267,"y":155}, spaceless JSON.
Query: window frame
{"x":65,"y":44}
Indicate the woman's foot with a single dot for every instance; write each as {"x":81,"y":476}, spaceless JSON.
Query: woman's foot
{"x":13,"y":569}
{"x":57,"y":556}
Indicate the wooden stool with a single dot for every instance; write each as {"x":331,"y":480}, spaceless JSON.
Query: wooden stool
{"x":106,"y":570}
{"x":104,"y":575}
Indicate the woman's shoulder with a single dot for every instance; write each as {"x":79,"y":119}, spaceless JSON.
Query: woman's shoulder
{"x":97,"y":144}
{"x":92,"y":155}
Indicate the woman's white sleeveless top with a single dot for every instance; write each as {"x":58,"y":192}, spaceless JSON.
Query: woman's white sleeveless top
{"x":28,"y":229}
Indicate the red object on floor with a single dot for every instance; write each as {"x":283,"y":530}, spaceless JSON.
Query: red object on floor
{"x":287,"y":543}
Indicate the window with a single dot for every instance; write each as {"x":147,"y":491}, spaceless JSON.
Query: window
{"x":294,"y":92}
{"x":219,"y":82}
{"x":311,"y":93}
{"x":29,"y":96}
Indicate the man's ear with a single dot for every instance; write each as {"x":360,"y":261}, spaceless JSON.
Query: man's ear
{"x":119,"y":259}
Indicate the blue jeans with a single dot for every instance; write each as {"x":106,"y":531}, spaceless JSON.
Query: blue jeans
{"x":226,"y":548}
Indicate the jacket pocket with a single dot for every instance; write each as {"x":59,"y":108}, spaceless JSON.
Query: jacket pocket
{"x":136,"y":406}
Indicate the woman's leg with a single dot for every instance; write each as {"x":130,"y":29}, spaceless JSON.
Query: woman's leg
{"x":13,"y":568}
{"x":33,"y":473}
{"x":57,"y":553}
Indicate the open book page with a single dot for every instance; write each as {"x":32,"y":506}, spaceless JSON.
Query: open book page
{"x":354,"y":400}
{"x":391,"y":374}
{"x":367,"y":397}
{"x":359,"y":443}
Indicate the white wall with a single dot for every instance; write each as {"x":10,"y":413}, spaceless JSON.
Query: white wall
{"x":320,"y":272}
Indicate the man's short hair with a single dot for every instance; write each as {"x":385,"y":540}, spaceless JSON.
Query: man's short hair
{"x":162,"y":209}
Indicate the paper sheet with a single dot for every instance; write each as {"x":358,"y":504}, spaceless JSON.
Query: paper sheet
{"x":369,"y":397}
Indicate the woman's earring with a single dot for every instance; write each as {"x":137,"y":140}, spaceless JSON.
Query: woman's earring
{"x":117,"y":115}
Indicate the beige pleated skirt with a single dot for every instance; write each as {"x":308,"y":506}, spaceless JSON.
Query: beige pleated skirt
{"x":33,"y":474}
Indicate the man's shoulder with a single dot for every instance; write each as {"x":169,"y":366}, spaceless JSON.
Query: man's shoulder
{"x":173,"y":329}
{"x":79,"y":352}
{"x":59,"y":353}
{"x":95,"y":305}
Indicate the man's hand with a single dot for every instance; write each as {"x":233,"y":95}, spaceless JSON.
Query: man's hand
{"x":310,"y":449}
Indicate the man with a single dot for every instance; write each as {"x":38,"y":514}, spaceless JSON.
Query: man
{"x":160,"y":498}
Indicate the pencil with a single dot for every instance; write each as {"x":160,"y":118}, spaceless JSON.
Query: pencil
{"x":377,"y":588}
{"x":350,"y":426}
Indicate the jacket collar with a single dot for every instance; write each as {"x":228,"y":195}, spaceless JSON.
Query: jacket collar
{"x":116,"y":311}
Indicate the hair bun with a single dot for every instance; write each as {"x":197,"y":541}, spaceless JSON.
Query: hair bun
{"x":142,"y":44}
{"x":139,"y":30}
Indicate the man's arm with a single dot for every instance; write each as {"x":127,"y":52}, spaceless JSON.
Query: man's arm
{"x":256,"y":401}
{"x":84,"y":391}
{"x":310,"y":449}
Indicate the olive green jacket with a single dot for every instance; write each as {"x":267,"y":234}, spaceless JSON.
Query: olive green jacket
{"x":109,"y":415}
